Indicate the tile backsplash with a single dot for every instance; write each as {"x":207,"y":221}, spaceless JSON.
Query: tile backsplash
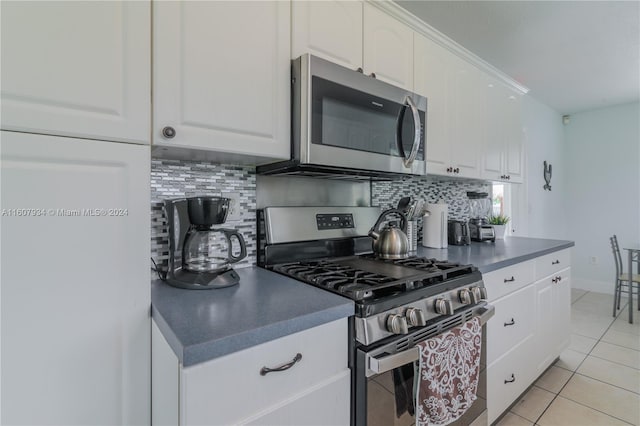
{"x":181,"y":178}
{"x":453,"y":192}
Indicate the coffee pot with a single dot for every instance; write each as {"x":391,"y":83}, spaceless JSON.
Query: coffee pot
{"x":390,"y":242}
{"x":206,"y":251}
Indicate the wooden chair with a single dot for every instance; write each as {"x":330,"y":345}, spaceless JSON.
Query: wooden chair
{"x":622,"y":277}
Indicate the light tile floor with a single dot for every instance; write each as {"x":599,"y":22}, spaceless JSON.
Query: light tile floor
{"x":596,"y":381}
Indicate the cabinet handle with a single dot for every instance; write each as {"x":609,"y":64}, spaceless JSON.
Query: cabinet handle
{"x":555,"y":262}
{"x":456,"y":170}
{"x":511,"y":380}
{"x":449,"y":169}
{"x":360,"y":70}
{"x":265,"y":370}
{"x":508,"y":177}
{"x":556,"y":279}
{"x":509,"y":280}
{"x":168,"y":132}
{"x":512,"y":322}
{"x":373,"y":74}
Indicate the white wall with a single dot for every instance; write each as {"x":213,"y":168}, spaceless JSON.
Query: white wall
{"x":541,"y":213}
{"x":602,"y":153}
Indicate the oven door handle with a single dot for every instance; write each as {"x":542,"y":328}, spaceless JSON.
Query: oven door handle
{"x":388,"y":363}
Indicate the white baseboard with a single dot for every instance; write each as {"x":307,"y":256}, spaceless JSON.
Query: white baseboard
{"x":591,"y":285}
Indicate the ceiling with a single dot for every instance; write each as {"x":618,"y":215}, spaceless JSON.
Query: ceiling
{"x":572,"y":55}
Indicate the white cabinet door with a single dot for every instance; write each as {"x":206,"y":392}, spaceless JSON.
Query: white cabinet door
{"x":455,"y":125}
{"x":430,"y":79}
{"x":78,"y":69}
{"x":514,"y":146}
{"x":562,"y":311}
{"x":388,"y":48}
{"x":329,"y":404}
{"x":545,"y":343}
{"x":248,"y":395}
{"x":329,"y":29}
{"x":553,"y":326}
{"x":75,"y":281}
{"x":466,"y":124}
{"x":493,"y":151}
{"x":222,"y":76}
{"x":503,"y":152}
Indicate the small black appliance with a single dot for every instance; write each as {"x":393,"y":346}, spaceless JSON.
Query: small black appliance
{"x":200,"y":254}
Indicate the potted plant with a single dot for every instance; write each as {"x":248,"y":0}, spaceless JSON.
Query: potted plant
{"x":499,"y":224}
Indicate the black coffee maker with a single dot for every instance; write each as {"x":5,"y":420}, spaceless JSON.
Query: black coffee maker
{"x":200,"y":254}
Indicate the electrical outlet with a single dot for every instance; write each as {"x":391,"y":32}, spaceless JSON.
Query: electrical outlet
{"x":235,"y":212}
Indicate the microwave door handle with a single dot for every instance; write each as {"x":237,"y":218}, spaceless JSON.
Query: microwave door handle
{"x":408,"y":161}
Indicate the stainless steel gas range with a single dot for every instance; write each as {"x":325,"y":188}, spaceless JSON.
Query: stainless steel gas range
{"x":399,"y":303}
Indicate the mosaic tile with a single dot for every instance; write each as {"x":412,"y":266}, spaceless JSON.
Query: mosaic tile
{"x":432,"y":190}
{"x":180,"y":178}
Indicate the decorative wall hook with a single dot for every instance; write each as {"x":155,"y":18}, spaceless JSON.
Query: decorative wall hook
{"x":547,"y":176}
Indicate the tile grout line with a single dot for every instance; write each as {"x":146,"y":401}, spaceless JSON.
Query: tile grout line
{"x":573,"y":373}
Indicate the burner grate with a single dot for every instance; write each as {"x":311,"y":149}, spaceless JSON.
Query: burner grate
{"x":351,"y":281}
{"x":344,"y":279}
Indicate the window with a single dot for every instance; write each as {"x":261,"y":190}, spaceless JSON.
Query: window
{"x":497,"y":196}
{"x":501,"y":197}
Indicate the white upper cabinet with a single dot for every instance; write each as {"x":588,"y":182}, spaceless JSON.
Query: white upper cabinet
{"x":388,"y":48}
{"x":328,"y":29}
{"x":454,"y":94}
{"x":77,"y":69}
{"x":466,"y":125}
{"x":514,"y":159}
{"x":431,"y":79}
{"x":222,"y":77}
{"x":502,"y":153}
{"x":356,"y":35}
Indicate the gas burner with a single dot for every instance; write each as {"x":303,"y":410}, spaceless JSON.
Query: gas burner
{"x":351,"y":282}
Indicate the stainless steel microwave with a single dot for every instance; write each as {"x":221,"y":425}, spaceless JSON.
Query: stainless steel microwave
{"x":346,"y":123}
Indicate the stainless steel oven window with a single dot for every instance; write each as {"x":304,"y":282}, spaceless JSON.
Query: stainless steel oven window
{"x":381,"y":409}
{"x":374,"y":395}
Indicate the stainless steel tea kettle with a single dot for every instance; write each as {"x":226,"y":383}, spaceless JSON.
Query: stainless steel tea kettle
{"x":391,"y":242}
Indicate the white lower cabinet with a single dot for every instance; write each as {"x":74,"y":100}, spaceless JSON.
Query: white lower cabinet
{"x":230,"y":389}
{"x":509,"y":376}
{"x":531,"y":325}
{"x":553,"y":318}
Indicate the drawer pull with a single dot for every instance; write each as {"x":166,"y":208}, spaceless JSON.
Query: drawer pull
{"x":555,"y":262}
{"x":556,"y":280}
{"x":509,"y":280}
{"x":511,"y":380}
{"x":265,"y":370}
{"x":512,"y":322}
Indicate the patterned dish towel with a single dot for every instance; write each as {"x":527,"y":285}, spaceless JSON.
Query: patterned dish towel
{"x":448,"y":372}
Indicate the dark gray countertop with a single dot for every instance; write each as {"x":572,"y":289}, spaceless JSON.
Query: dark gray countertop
{"x":200,"y":325}
{"x":489,"y":256}
{"x":204,"y":324}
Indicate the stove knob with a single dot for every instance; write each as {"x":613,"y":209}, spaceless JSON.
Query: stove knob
{"x":415,"y":317}
{"x":465,"y":296}
{"x":397,"y":324}
{"x":444,"y":307}
{"x":480,"y":293}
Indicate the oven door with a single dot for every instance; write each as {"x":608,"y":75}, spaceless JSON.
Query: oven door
{"x":344,"y":119}
{"x":380,"y":399}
